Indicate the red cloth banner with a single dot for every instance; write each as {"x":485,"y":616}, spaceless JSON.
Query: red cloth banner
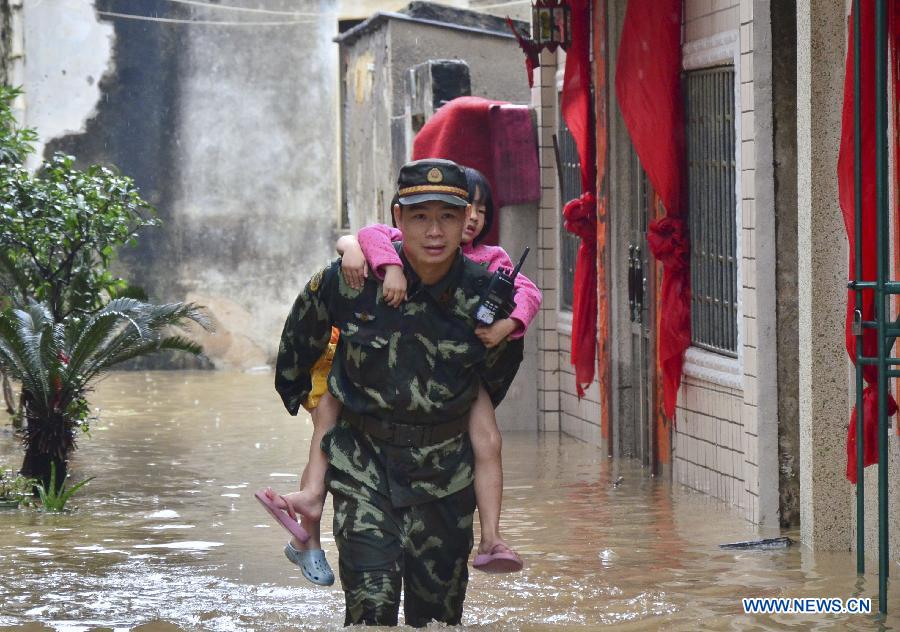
{"x":648,"y":88}
{"x":581,"y":214}
{"x":847,"y":196}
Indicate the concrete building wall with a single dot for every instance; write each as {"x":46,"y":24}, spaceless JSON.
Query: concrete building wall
{"x":825,"y":509}
{"x":516,"y":9}
{"x":519,"y":411}
{"x":375,"y":66}
{"x":229,"y":130}
{"x":783,"y":20}
{"x":365,"y":128}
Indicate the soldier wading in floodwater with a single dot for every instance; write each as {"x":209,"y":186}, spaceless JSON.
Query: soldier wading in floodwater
{"x":400,"y":461}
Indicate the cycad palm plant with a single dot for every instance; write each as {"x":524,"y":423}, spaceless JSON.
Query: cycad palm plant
{"x":56,"y":362}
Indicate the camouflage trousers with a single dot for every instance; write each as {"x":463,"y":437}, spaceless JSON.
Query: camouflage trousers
{"x":425,"y":548}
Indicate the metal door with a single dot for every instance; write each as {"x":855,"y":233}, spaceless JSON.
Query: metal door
{"x":638,"y":432}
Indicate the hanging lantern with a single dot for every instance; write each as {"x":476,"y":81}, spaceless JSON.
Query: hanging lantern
{"x":551,"y":24}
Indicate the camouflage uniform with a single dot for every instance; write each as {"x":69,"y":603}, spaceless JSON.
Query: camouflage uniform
{"x":400,"y":512}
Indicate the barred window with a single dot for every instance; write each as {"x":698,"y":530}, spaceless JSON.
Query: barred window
{"x":712,"y":207}
{"x":569,"y":189}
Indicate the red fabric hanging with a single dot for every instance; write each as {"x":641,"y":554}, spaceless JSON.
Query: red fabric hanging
{"x":581,"y":214}
{"x":488,"y":136}
{"x":531,"y":50}
{"x":648,"y":88}
{"x":581,"y":220}
{"x":846,"y":194}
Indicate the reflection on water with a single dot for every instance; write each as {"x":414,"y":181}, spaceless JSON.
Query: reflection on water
{"x":168,"y":536}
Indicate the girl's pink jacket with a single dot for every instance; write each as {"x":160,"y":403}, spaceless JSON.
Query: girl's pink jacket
{"x":375,"y":242}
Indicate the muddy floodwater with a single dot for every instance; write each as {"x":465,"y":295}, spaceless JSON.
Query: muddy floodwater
{"x":169,"y":537}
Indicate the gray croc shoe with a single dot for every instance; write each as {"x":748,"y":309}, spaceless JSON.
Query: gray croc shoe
{"x":313,"y":564}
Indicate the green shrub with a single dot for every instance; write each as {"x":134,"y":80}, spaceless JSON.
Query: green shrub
{"x":54,"y":498}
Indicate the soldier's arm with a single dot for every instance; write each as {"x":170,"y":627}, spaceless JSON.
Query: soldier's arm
{"x":305,"y":337}
{"x":499,"y":368}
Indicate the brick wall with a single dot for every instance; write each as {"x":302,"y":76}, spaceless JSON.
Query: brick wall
{"x":560,"y":408}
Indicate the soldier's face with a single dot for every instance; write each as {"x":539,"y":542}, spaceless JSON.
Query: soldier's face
{"x":432,"y":231}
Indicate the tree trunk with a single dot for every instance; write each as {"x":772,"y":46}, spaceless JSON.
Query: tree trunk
{"x":46,"y":441}
{"x":37,"y":465}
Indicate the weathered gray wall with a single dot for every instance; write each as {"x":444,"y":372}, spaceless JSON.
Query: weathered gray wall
{"x":366,"y":127}
{"x":784,"y":131}
{"x":516,"y":10}
{"x":62,"y":74}
{"x":518,"y":229}
{"x":374,"y":69}
{"x":228,"y":130}
{"x":5,"y":38}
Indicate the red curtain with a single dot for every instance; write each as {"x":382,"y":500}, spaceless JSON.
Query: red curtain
{"x":648,"y":88}
{"x":581,"y":214}
{"x":846,"y":194}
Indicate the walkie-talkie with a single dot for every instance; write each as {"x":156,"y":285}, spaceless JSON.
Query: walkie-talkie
{"x":499,"y":293}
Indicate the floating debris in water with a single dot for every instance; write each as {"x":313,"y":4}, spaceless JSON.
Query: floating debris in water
{"x":619,"y":481}
{"x":760,"y":545}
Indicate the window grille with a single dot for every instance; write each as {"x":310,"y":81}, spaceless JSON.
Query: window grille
{"x":710,"y":131}
{"x":569,"y":189}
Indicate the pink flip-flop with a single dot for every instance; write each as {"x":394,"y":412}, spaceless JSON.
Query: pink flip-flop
{"x":282,"y":516}
{"x":501,"y":559}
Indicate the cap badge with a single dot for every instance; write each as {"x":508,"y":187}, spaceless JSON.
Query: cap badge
{"x":434,"y":176}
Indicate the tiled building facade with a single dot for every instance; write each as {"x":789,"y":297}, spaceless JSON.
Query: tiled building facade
{"x":715,"y":443}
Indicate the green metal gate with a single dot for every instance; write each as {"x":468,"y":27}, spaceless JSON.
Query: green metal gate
{"x":884,"y":288}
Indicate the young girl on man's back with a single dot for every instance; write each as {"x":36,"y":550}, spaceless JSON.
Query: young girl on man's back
{"x":373,"y":249}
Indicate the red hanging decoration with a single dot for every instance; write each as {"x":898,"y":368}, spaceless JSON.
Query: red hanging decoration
{"x":581,"y":214}
{"x":648,"y":88}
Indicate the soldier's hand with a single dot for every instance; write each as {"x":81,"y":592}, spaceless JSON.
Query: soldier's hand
{"x":354,"y":267}
{"x":281,"y":502}
{"x":394,"y":288}
{"x":492,"y":335}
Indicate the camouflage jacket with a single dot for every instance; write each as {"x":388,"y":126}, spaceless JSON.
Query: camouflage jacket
{"x":420,"y":363}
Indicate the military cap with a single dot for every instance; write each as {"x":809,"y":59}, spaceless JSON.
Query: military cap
{"x":432,"y":179}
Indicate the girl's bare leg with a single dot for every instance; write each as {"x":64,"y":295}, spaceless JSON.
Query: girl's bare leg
{"x":309,"y":501}
{"x":487,"y":444}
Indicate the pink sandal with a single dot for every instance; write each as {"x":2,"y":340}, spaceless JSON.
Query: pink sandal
{"x":282,"y":516}
{"x":501,"y":559}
